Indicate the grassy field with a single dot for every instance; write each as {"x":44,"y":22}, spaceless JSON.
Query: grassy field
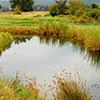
{"x":41,"y":23}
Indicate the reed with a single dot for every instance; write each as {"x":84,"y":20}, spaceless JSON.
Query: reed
{"x":66,"y":86}
{"x":71,"y":87}
{"x":16,"y":90}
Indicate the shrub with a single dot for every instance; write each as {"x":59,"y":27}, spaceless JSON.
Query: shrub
{"x":54,"y":11}
{"x":61,"y":5}
{"x":17,"y":10}
{"x":5,"y":41}
{"x":94,"y":13}
{"x":94,"y":5}
{"x":51,"y":6}
{"x":79,"y":13}
{"x":75,"y":5}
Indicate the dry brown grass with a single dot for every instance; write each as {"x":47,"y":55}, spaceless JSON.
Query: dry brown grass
{"x":71,"y":87}
{"x":24,"y":14}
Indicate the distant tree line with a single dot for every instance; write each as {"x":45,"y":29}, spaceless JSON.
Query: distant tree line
{"x":76,"y":8}
{"x":24,"y":5}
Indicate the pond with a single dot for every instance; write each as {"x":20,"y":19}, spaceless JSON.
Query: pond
{"x":42,"y":56}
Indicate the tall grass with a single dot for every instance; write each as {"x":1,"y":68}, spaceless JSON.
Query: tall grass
{"x":66,"y":86}
{"x":85,"y":36}
{"x":16,"y":90}
{"x":71,"y":87}
{"x":88,"y":35}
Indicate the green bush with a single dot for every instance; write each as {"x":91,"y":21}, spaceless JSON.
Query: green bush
{"x":94,"y":13}
{"x":79,"y":13}
{"x":54,"y":11}
{"x":94,"y":5}
{"x":51,"y":6}
{"x":61,"y":5}
{"x":76,"y":7}
{"x":17,"y":10}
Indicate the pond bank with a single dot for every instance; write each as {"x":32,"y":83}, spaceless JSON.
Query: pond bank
{"x":87,"y":36}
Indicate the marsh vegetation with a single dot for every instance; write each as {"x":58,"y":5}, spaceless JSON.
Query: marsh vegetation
{"x":66,"y":35}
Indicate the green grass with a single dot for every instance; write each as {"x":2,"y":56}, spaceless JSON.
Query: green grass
{"x":86,"y":34}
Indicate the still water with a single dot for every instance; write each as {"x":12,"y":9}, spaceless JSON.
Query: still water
{"x":40,"y":57}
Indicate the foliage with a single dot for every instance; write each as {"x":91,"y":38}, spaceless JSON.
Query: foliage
{"x":0,"y":6}
{"x":25,"y":5}
{"x":69,"y":88}
{"x":54,"y":26}
{"x":79,"y":13}
{"x":94,"y":5}
{"x":5,"y":41}
{"x":17,"y":10}
{"x":51,"y":6}
{"x":94,"y":13}
{"x":61,"y":5}
{"x":54,"y":11}
{"x":15,"y":90}
{"x":76,"y":7}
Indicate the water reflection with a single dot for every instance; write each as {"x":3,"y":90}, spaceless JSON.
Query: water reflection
{"x":91,"y":56}
{"x":41,"y":55}
{"x":18,"y":40}
{"x":61,"y":41}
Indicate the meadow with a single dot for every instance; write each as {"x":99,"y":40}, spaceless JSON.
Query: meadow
{"x":41,"y":23}
{"x":87,"y":35}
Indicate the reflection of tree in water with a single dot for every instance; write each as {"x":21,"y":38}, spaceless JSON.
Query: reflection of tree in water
{"x":19,"y":40}
{"x":92,"y":56}
{"x":6,"y":45}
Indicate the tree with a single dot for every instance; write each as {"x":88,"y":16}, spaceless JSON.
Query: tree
{"x":76,"y":6}
{"x":24,"y":5}
{"x":61,"y":5}
{"x":54,"y":11}
{"x":0,"y":6}
{"x":94,"y":5}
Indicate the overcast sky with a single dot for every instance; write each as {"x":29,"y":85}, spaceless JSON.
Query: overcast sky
{"x":5,"y":3}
